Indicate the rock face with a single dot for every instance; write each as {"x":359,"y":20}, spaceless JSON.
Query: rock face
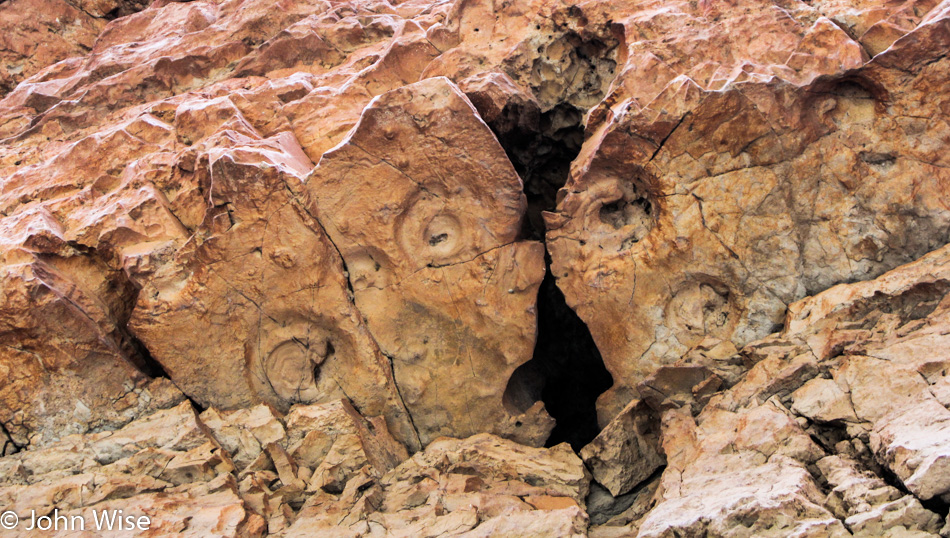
{"x":345,"y":267}
{"x":38,"y":34}
{"x":430,"y":243}
{"x":320,"y":469}
{"x":704,"y":203}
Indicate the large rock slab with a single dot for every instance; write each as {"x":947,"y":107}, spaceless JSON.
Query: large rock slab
{"x":626,"y":452}
{"x":261,"y":265}
{"x":702,"y":205}
{"x":425,"y":209}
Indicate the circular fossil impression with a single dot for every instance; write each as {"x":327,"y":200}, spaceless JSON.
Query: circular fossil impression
{"x":292,"y":369}
{"x":430,"y":232}
{"x":629,"y":215}
{"x":702,"y":307}
{"x":441,"y":236}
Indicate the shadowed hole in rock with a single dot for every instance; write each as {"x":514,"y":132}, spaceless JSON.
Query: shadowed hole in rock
{"x":879,"y":160}
{"x":541,"y":147}
{"x":573,"y":68}
{"x":830,"y":435}
{"x":632,"y":215}
{"x":566,"y":371}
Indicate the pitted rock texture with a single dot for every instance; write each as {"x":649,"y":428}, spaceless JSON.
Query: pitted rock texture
{"x":275,"y":268}
{"x":702,"y":207}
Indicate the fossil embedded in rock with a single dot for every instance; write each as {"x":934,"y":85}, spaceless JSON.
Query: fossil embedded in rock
{"x":252,"y":259}
{"x":293,"y":368}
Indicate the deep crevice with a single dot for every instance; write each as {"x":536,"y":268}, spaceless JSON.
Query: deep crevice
{"x":828,"y":435}
{"x":9,"y":443}
{"x":148,"y":364}
{"x":151,"y":367}
{"x":566,"y":371}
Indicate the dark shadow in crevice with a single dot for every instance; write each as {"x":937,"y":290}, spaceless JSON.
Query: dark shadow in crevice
{"x":566,"y":371}
{"x":572,"y":368}
{"x":829,"y":435}
{"x":541,"y":146}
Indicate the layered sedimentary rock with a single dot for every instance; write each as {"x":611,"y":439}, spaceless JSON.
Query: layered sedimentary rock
{"x":318,"y":469}
{"x":807,"y":440}
{"x":712,"y":196}
{"x":275,"y":269}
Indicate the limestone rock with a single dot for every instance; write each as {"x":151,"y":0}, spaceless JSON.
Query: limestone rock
{"x":171,"y":467}
{"x":481,"y":486}
{"x":706,"y":200}
{"x":445,"y":287}
{"x":326,"y":223}
{"x":35,"y":35}
{"x":877,"y":349}
{"x":738,"y":470}
{"x":626,"y":452}
{"x":873,"y":506}
{"x":164,"y":466}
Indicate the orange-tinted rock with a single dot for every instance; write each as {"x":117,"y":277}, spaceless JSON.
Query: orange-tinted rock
{"x":261,"y":265}
{"x":314,"y":208}
{"x":425,"y":209}
{"x":703,"y":207}
{"x":36,"y":34}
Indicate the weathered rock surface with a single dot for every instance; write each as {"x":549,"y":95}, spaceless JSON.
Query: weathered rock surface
{"x":626,"y":452}
{"x":274,"y":268}
{"x":425,"y":209}
{"x":165,"y":467}
{"x":803,"y":443}
{"x":481,"y":486}
{"x":37,"y":34}
{"x":320,"y":469}
{"x":705,"y":202}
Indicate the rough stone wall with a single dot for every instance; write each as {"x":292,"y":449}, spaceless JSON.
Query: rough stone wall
{"x":255,"y":255}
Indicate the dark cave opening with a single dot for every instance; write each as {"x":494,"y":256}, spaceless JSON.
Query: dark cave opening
{"x":541,"y":146}
{"x":566,"y":371}
{"x":568,"y":361}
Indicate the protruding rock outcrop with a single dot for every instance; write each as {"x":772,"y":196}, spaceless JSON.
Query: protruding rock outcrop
{"x":430,"y":242}
{"x":707,"y":201}
{"x":344,"y":266}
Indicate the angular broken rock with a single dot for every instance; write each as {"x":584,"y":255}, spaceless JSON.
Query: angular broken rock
{"x":335,"y":441}
{"x":37,"y":34}
{"x":480,"y":486}
{"x":864,"y":392}
{"x":297,"y":211}
{"x":870,"y":507}
{"x":260,"y":261}
{"x":164,"y":466}
{"x":627,"y":451}
{"x":743,"y":470}
{"x":437,"y":270}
